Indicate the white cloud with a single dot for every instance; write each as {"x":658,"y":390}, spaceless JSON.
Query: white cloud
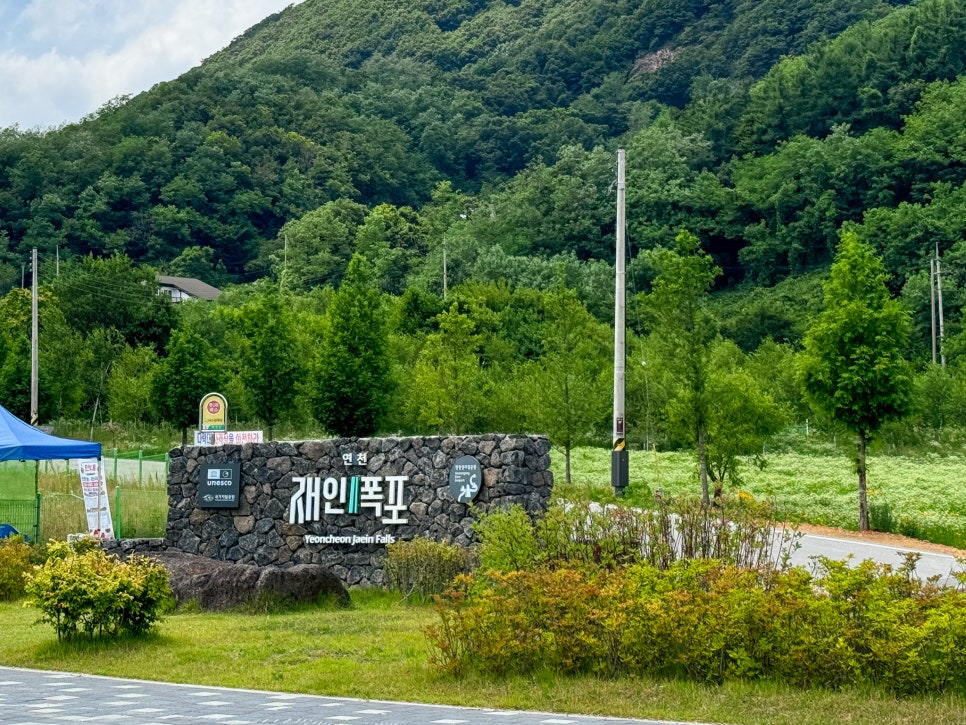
{"x":65,"y":60}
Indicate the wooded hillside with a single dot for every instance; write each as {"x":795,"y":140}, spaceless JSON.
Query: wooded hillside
{"x":321,"y":166}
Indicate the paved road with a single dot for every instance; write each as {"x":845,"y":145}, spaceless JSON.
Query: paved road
{"x":32,"y":697}
{"x":929,"y":564}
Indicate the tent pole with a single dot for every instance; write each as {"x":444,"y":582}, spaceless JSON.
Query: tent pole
{"x":37,"y":500}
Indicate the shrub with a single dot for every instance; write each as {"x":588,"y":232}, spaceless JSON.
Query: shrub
{"x":710,"y":622}
{"x":80,"y":588}
{"x":15,"y":562}
{"x":423,"y":567}
{"x":736,"y":531}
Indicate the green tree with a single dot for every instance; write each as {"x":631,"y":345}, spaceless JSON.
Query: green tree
{"x":64,"y":357}
{"x":742,"y":418}
{"x":353,"y":381}
{"x":15,"y":352}
{"x":315,"y":249}
{"x":270,"y":359}
{"x":852,"y":367}
{"x":15,"y":373}
{"x":200,"y":263}
{"x":189,"y":372}
{"x":113,"y":292}
{"x":129,"y":385}
{"x":569,"y":384}
{"x":677,"y":310}
{"x":391,"y":239}
{"x":446,"y":392}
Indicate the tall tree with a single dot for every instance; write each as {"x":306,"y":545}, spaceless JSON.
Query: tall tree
{"x":446,"y":392}
{"x":570,"y":388}
{"x":129,"y":385}
{"x":743,"y":416}
{"x":190,"y":371}
{"x":113,"y":292}
{"x":353,"y":381}
{"x":270,"y":359}
{"x":852,"y":366}
{"x":677,"y":310}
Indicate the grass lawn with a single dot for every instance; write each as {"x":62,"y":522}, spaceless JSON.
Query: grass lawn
{"x":17,"y":479}
{"x":377,"y":650}
{"x":927,"y":492}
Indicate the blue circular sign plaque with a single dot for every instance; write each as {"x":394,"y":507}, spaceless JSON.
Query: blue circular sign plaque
{"x":465,"y":479}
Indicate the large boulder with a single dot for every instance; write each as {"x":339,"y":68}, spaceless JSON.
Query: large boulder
{"x":215,"y":584}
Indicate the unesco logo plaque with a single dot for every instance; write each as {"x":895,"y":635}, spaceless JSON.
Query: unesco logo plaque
{"x":219,"y":485}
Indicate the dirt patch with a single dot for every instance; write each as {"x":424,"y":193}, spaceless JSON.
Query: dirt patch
{"x":878,"y":537}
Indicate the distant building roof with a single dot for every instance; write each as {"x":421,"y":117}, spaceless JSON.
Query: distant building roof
{"x":181,"y":287}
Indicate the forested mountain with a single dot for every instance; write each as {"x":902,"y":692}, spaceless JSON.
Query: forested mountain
{"x":485,"y":130}
{"x":379,"y":101}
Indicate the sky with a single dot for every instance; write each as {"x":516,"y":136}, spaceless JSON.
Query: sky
{"x":63,"y":59}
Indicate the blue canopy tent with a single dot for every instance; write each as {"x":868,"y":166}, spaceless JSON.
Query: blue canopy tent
{"x":22,"y":442}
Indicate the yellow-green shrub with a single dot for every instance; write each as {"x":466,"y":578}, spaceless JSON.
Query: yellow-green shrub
{"x":14,"y":563}
{"x":97,"y":593}
{"x":577,"y":535}
{"x":422,"y":567}
{"x":710,"y":622}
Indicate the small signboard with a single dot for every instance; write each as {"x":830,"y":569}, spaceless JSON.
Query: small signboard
{"x":219,"y":485}
{"x":213,"y":412}
{"x":227,"y":437}
{"x":96,"y":502}
{"x":465,"y":479}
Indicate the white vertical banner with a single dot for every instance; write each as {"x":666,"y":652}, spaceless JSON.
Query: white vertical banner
{"x":96,"y":502}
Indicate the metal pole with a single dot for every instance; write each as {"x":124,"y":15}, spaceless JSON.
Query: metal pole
{"x":932,"y":305}
{"x":939,"y":295}
{"x":618,"y":474}
{"x":34,"y":336}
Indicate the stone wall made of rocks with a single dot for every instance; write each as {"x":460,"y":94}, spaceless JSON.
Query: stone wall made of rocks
{"x":261,"y":531}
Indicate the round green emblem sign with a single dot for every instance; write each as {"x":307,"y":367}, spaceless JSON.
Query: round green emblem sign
{"x":465,"y":479}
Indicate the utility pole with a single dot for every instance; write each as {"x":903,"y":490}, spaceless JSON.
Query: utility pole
{"x":939,"y":296}
{"x":444,"y":268}
{"x":34,"y":337}
{"x":618,"y":456}
{"x":932,"y":305}
{"x":281,"y":282}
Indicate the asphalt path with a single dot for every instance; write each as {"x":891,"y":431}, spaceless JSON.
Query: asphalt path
{"x":32,"y":697}
{"x":930,"y":564}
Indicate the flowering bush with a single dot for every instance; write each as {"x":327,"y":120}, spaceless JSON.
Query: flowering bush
{"x":85,"y":590}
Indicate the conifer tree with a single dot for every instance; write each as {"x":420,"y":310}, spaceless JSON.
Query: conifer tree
{"x":353,"y":383}
{"x":684,"y":330}
{"x":271,"y":360}
{"x":191,"y":370}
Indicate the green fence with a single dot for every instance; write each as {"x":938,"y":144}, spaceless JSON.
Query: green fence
{"x":23,"y":515}
{"x":131,"y":465}
{"x":137,"y":484}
